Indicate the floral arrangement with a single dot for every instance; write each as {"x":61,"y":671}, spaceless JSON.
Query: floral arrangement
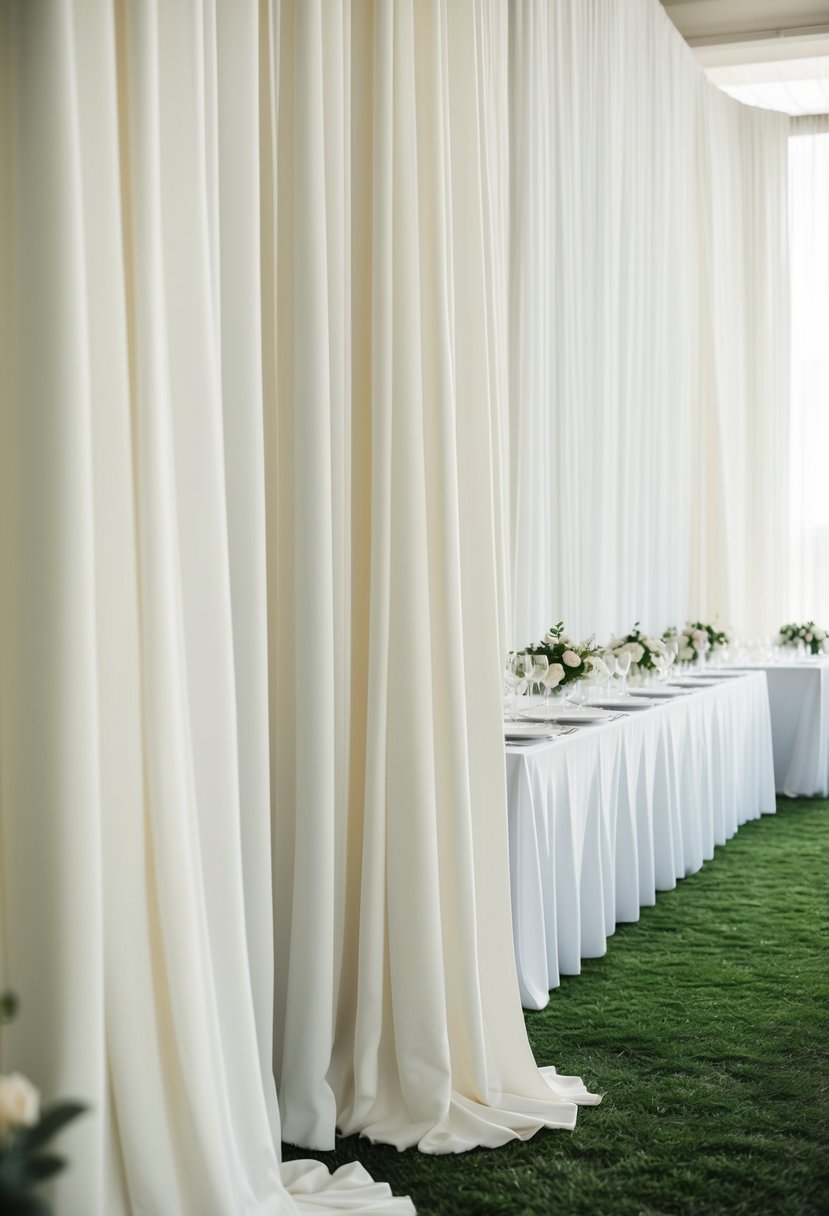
{"x":25,"y":1128}
{"x":810,"y":634}
{"x":568,"y":660}
{"x":640,"y":646}
{"x":696,"y":638}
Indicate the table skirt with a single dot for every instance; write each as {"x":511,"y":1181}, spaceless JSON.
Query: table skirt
{"x":601,"y":820}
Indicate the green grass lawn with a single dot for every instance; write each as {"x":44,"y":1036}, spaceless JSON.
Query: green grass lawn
{"x":706,"y":1027}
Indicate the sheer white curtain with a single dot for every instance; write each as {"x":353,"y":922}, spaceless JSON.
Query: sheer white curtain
{"x":397,"y":1004}
{"x":648,"y":329}
{"x":742,"y":402}
{"x":808,"y":539}
{"x":602,"y":120}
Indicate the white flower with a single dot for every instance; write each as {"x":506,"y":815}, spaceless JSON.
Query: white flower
{"x":19,"y":1102}
{"x":553,"y":676}
{"x":686,"y":653}
{"x":808,"y":637}
{"x":571,"y":659}
{"x":635,"y":651}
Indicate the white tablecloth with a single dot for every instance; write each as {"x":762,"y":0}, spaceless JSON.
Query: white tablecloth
{"x":601,"y":820}
{"x":799,"y":702}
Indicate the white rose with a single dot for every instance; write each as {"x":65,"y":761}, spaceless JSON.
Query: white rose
{"x":571,"y":659}
{"x":635,"y":651}
{"x":553,"y":676}
{"x":686,"y":653}
{"x":808,"y":637}
{"x":19,"y":1102}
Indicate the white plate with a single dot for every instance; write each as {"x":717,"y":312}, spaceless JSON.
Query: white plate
{"x":657,"y":692}
{"x":714,"y":675}
{"x":528,"y":732}
{"x":620,"y":703}
{"x":576,"y":714}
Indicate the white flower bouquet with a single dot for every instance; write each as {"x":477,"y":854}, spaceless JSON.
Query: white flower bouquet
{"x":642,"y":648}
{"x":698,"y":639}
{"x":809,"y":634}
{"x":568,"y":660}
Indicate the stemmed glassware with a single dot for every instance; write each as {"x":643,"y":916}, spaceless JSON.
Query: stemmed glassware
{"x":623,"y":661}
{"x":537,"y":667}
{"x":600,"y":680}
{"x":515,"y":683}
{"x":661,"y":663}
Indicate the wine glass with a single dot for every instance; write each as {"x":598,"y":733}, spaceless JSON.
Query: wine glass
{"x":539,"y":664}
{"x":623,"y":661}
{"x":599,"y":679}
{"x":661,"y":663}
{"x":514,"y":678}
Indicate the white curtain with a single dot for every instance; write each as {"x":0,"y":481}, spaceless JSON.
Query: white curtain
{"x":648,"y":320}
{"x":808,"y":538}
{"x":397,"y":1004}
{"x":742,"y":401}
{"x":136,"y":881}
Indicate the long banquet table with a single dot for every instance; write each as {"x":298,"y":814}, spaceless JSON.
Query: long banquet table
{"x":602,"y":819}
{"x":799,"y":703}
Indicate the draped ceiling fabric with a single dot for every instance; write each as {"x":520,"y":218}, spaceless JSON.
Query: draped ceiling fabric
{"x":303,"y":305}
{"x":648,"y":313}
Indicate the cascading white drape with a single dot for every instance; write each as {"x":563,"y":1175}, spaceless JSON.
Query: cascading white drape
{"x":648,"y":314}
{"x":397,"y":1005}
{"x":136,"y":884}
{"x":808,"y":536}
